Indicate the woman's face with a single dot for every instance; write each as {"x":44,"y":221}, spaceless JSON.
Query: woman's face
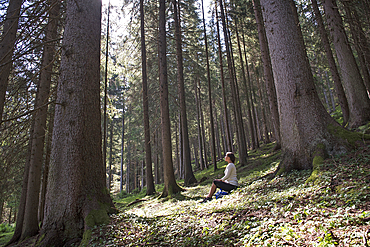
{"x":227,"y":158}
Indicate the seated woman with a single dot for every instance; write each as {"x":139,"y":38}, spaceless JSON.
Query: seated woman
{"x":228,"y":182}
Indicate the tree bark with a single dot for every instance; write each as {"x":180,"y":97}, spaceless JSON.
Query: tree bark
{"x":122,"y":148}
{"x":7,"y":41}
{"x":170,"y":185}
{"x":224,"y":101}
{"x":213,"y":145}
{"x":77,"y":198}
{"x":31,"y":221}
{"x":359,"y":40}
{"x":150,"y":189}
{"x":105,"y":116}
{"x":306,"y":127}
{"x":46,"y":166}
{"x":236,"y":102}
{"x":189,"y":177}
{"x":333,"y":67}
{"x":110,"y":160}
{"x":267,"y":69}
{"x":246,"y":88}
{"x":358,"y":100}
{"x":22,"y":201}
{"x":200,"y":138}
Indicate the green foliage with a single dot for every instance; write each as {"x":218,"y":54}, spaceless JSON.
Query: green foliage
{"x":4,"y":228}
{"x":6,"y":233}
{"x":338,"y":115}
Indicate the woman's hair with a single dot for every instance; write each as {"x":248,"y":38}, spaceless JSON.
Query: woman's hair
{"x":231,"y":156}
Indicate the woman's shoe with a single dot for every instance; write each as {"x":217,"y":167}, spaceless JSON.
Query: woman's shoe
{"x":206,"y":200}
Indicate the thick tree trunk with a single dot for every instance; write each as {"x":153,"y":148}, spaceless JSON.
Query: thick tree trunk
{"x":358,"y":100}
{"x":170,"y":185}
{"x":267,"y":69}
{"x":77,"y":198}
{"x":305,"y":124}
{"x":189,"y":177}
{"x":150,"y":189}
{"x":7,"y":41}
{"x":333,"y":67}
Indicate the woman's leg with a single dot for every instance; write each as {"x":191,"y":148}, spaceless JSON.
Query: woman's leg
{"x":212,"y":190}
{"x":224,"y":186}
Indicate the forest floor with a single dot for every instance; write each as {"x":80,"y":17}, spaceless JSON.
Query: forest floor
{"x":334,"y":210}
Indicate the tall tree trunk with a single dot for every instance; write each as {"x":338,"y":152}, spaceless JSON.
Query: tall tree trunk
{"x":330,"y":90}
{"x":267,"y":69}
{"x":150,"y":189}
{"x":213,"y":145}
{"x":224,"y":101}
{"x":307,"y":130}
{"x":359,"y":41}
{"x":236,"y":102}
{"x":31,"y":223}
{"x":262,"y":106}
{"x":22,"y":201}
{"x":1,"y":209}
{"x":181,"y":150}
{"x":257,"y":129}
{"x":77,"y":198}
{"x":110,"y":161}
{"x":156,"y":159}
{"x":203,"y":129}
{"x":364,"y":44}
{"x":200,"y":138}
{"x":128,"y":167}
{"x":247,"y":91}
{"x":177,"y":147}
{"x":46,"y":166}
{"x":189,"y":177}
{"x":105,"y":116}
{"x":7,"y":41}
{"x":122,"y":148}
{"x":170,"y":185}
{"x":218,"y":139}
{"x":358,"y":100}
{"x":333,"y":67}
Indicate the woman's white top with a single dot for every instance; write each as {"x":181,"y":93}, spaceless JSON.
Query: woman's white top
{"x":230,"y":175}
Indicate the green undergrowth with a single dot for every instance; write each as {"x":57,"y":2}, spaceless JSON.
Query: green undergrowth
{"x":6,"y":233}
{"x":264,"y":211}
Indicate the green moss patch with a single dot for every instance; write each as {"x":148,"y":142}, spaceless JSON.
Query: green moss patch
{"x":97,"y":217}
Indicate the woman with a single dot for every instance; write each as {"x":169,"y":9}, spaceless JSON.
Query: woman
{"x":228,"y":182}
